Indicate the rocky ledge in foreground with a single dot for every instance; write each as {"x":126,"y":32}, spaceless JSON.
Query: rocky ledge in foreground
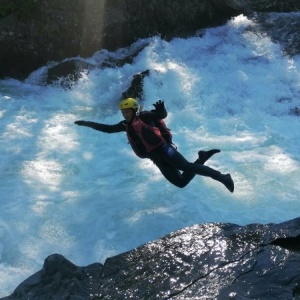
{"x":207,"y":261}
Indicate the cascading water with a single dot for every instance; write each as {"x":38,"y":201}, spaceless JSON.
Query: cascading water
{"x":83,"y":194}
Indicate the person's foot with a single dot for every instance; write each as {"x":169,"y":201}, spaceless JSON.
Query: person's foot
{"x":227,"y":181}
{"x":206,"y":155}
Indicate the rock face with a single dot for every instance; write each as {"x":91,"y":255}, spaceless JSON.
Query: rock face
{"x":282,"y":28}
{"x":207,"y":261}
{"x":34,"y":32}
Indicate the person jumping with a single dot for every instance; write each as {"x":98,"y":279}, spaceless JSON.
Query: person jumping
{"x":150,"y":138}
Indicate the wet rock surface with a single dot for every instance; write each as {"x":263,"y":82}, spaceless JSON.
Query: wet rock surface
{"x":206,"y":261}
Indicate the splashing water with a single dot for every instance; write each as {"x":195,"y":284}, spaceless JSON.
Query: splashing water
{"x":82,"y":193}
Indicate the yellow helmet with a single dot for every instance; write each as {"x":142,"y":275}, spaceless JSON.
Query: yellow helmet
{"x":129,"y":103}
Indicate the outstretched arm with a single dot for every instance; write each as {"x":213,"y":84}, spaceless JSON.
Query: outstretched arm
{"x":103,"y":127}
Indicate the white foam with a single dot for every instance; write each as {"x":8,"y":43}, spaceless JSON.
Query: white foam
{"x":82,"y":193}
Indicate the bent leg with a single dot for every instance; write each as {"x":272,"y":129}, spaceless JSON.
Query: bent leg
{"x":175,"y":159}
{"x":203,"y":157}
{"x":174,"y":176}
{"x":177,"y":178}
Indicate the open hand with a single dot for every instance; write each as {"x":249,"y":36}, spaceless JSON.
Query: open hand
{"x":159,"y":105}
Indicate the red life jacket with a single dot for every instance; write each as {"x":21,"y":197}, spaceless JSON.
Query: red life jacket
{"x":143,"y":137}
{"x":164,"y":130}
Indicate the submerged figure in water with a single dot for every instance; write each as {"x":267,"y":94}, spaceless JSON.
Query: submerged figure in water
{"x":150,"y":138}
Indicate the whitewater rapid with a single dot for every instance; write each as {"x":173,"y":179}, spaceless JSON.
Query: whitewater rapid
{"x":84,"y":194}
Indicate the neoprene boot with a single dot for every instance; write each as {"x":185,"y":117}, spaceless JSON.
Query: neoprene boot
{"x":206,"y":155}
{"x":227,"y":181}
{"x":218,"y":176}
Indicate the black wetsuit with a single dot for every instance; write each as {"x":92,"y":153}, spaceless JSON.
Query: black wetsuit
{"x":169,"y":161}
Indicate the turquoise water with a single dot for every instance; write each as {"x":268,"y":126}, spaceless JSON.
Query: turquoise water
{"x":84,"y":194}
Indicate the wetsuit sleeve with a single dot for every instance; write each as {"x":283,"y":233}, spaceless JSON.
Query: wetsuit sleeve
{"x":104,"y":127}
{"x":153,"y":115}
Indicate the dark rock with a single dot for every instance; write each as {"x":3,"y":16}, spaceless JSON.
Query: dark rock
{"x":282,"y":28}
{"x":274,"y":5}
{"x":59,"y":279}
{"x":208,"y":261}
{"x":291,"y":243}
{"x":33,"y":33}
{"x":67,"y":72}
{"x":136,"y":88}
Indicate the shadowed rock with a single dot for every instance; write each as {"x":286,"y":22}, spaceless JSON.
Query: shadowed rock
{"x":36,"y":32}
{"x":59,"y":279}
{"x":290,"y":243}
